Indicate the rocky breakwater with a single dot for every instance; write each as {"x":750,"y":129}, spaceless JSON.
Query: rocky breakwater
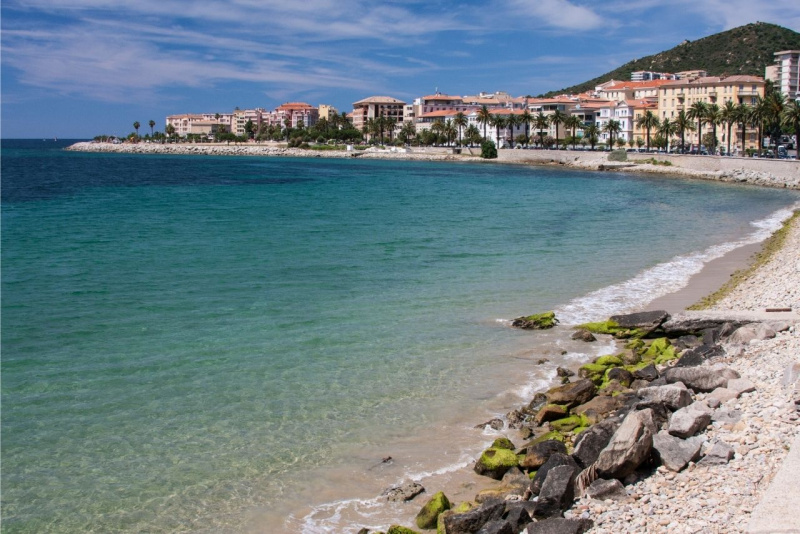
{"x":680,"y":431}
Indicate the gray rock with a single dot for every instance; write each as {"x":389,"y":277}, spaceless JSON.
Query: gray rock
{"x":593,"y":440}
{"x":559,"y":525}
{"x":602,"y":489}
{"x":555,"y":460}
{"x":621,"y":375}
{"x":497,"y":527}
{"x":683,"y":324}
{"x":676,"y":453}
{"x":726,"y":416}
{"x":599,"y":407}
{"x":699,"y":355}
{"x":647,"y":321}
{"x":404,"y":492}
{"x":698,"y":379}
{"x":583,"y":335}
{"x":648,"y":373}
{"x":572,"y":394}
{"x":538,"y":454}
{"x":741,"y":386}
{"x":745,"y":334}
{"x":472,"y":521}
{"x":563,"y":371}
{"x":790,"y":374}
{"x":495,"y":424}
{"x":661,"y":412}
{"x":673,"y":396}
{"x":557,"y":491}
{"x":722,"y":395}
{"x":629,"y":446}
{"x":518,"y":516}
{"x":720,"y":453}
{"x":688,"y":421}
{"x":725,"y":372}
{"x":687,"y":342}
{"x":780,"y":326}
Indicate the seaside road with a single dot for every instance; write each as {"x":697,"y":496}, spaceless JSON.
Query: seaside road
{"x":777,"y":511}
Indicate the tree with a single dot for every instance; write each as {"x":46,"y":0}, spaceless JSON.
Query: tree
{"x":152,"y":123}
{"x":775,"y":103}
{"x":512,"y":121}
{"x":473,"y":135}
{"x":484,"y":117}
{"x":729,"y":117}
{"x":573,"y":122}
{"x":136,"y":127}
{"x":612,"y":127}
{"x":249,"y":129}
{"x":682,"y":123}
{"x":558,"y":117}
{"x":170,"y":130}
{"x":666,"y":130}
{"x":498,"y":122}
{"x":790,"y":119}
{"x":541,"y":122}
{"x":526,"y":118}
{"x":697,"y":111}
{"x":488,"y":150}
{"x":390,"y":123}
{"x":592,"y":132}
{"x":460,"y":121}
{"x":407,"y":132}
{"x":744,"y":116}
{"x":449,"y":131}
{"x":648,"y":121}
{"x":714,"y":118}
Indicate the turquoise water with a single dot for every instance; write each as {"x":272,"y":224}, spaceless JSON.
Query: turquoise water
{"x":182,"y":335}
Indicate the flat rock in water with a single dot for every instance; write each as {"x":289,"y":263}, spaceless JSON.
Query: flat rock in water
{"x":583,"y":335}
{"x":676,"y":453}
{"x":648,"y":321}
{"x":403,"y":492}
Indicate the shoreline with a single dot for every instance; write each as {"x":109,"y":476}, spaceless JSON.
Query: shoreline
{"x":784,"y":174}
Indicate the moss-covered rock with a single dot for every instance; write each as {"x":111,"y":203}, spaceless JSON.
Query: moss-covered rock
{"x":609,"y":360}
{"x":604,"y":327}
{"x":397,"y":529}
{"x":550,"y":412}
{"x":553,"y":434}
{"x":460,"y":508}
{"x":427,"y":516}
{"x":537,"y":321}
{"x":495,"y":462}
{"x":656,"y":348}
{"x":667,"y":355}
{"x":569,"y":423}
{"x":503,"y":443}
{"x":635,"y":344}
{"x":592,"y":371}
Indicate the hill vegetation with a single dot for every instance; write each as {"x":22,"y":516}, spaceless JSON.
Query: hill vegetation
{"x":744,"y":50}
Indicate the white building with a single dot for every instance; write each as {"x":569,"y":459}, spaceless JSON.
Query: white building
{"x":786,"y":73}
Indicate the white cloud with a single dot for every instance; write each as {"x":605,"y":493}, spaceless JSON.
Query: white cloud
{"x":560,"y":14}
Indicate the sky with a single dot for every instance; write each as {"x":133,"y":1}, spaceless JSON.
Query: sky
{"x":81,"y":68}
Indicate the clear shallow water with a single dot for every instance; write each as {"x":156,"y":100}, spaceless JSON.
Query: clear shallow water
{"x":182,"y":336}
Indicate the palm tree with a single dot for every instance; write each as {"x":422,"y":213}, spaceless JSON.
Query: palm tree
{"x":169,"y":130}
{"x":744,"y":117}
{"x":791,"y":119}
{"x":512,"y":121}
{"x":776,"y":103}
{"x":437,"y":127}
{"x":714,"y":118}
{"x":612,"y":127}
{"x":390,"y":123}
{"x":729,"y":117}
{"x":682,"y":123}
{"x":573,"y":122}
{"x":592,"y":132}
{"x":152,"y":123}
{"x":526,"y":119}
{"x":498,"y":122}
{"x":647,"y":121}
{"x":136,"y":127}
{"x":450,"y":131}
{"x":473,"y":135}
{"x":460,"y":121}
{"x":484,"y":117}
{"x":697,"y":111}
{"x":758,"y":116}
{"x":408,"y":131}
{"x":667,"y":129}
{"x":558,"y":117}
{"x":541,"y":122}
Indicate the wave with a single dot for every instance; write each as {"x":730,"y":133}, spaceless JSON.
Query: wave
{"x":662,"y":279}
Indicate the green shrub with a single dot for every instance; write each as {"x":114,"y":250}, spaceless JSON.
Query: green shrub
{"x":488,"y":150}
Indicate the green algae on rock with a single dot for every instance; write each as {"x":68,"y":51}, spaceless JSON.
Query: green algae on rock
{"x":494,"y":462}
{"x":537,"y":321}
{"x":429,"y":514}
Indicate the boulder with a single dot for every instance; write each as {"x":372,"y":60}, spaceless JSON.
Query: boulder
{"x":517,"y":517}
{"x":643,"y":321}
{"x":559,"y":525}
{"x":572,"y":394}
{"x":725,"y":372}
{"x":499,"y":526}
{"x":427,"y":516}
{"x":567,"y":424}
{"x":593,"y":440}
{"x":629,"y":446}
{"x":538,"y":321}
{"x":675,"y":453}
{"x":472,"y":521}
{"x":598,"y":408}
{"x":689,"y":420}
{"x":397,"y":529}
{"x":563,"y":372}
{"x":661,"y":412}
{"x":494,"y":424}
{"x":583,"y":335}
{"x":741,"y":386}
{"x":539,"y":453}
{"x":495,"y":462}
{"x":404,"y":492}
{"x":721,"y":395}
{"x":623,"y":376}
{"x":698,"y":379}
{"x":649,"y":373}
{"x":699,"y":355}
{"x":687,"y":342}
{"x":684,"y":324}
{"x":503,"y":443}
{"x":602,"y":489}
{"x":550,"y":412}
{"x":555,"y":460}
{"x":672,"y":396}
{"x":557,"y":491}
{"x":726,"y":416}
{"x":720,"y":453}
{"x":757,"y":331}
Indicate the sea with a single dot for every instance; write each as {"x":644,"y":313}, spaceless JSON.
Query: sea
{"x":248,"y":344}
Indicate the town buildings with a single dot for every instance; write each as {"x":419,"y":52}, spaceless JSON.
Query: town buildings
{"x":377,"y":106}
{"x":786,"y":73}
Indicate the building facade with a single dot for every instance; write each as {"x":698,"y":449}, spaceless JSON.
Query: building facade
{"x":378,"y":106}
{"x":786,"y":73}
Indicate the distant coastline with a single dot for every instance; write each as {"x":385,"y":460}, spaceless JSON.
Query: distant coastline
{"x":784,"y":174}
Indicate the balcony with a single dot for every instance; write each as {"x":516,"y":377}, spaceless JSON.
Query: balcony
{"x":748,"y":92}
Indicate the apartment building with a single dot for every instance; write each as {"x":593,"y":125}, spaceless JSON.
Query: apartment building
{"x":326,"y":112}
{"x":297,"y":114}
{"x":200,"y":123}
{"x":647,"y":75}
{"x":786,"y":73}
{"x":377,"y":106}
{"x":679,"y":95}
{"x":621,"y":91}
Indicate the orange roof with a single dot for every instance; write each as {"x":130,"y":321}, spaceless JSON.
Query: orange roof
{"x":441,"y":97}
{"x":294,"y":105}
{"x":640,"y":104}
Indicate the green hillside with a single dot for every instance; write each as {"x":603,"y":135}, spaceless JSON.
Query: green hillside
{"x":743,"y":50}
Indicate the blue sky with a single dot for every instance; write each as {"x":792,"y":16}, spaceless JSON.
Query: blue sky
{"x":78,"y":68}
